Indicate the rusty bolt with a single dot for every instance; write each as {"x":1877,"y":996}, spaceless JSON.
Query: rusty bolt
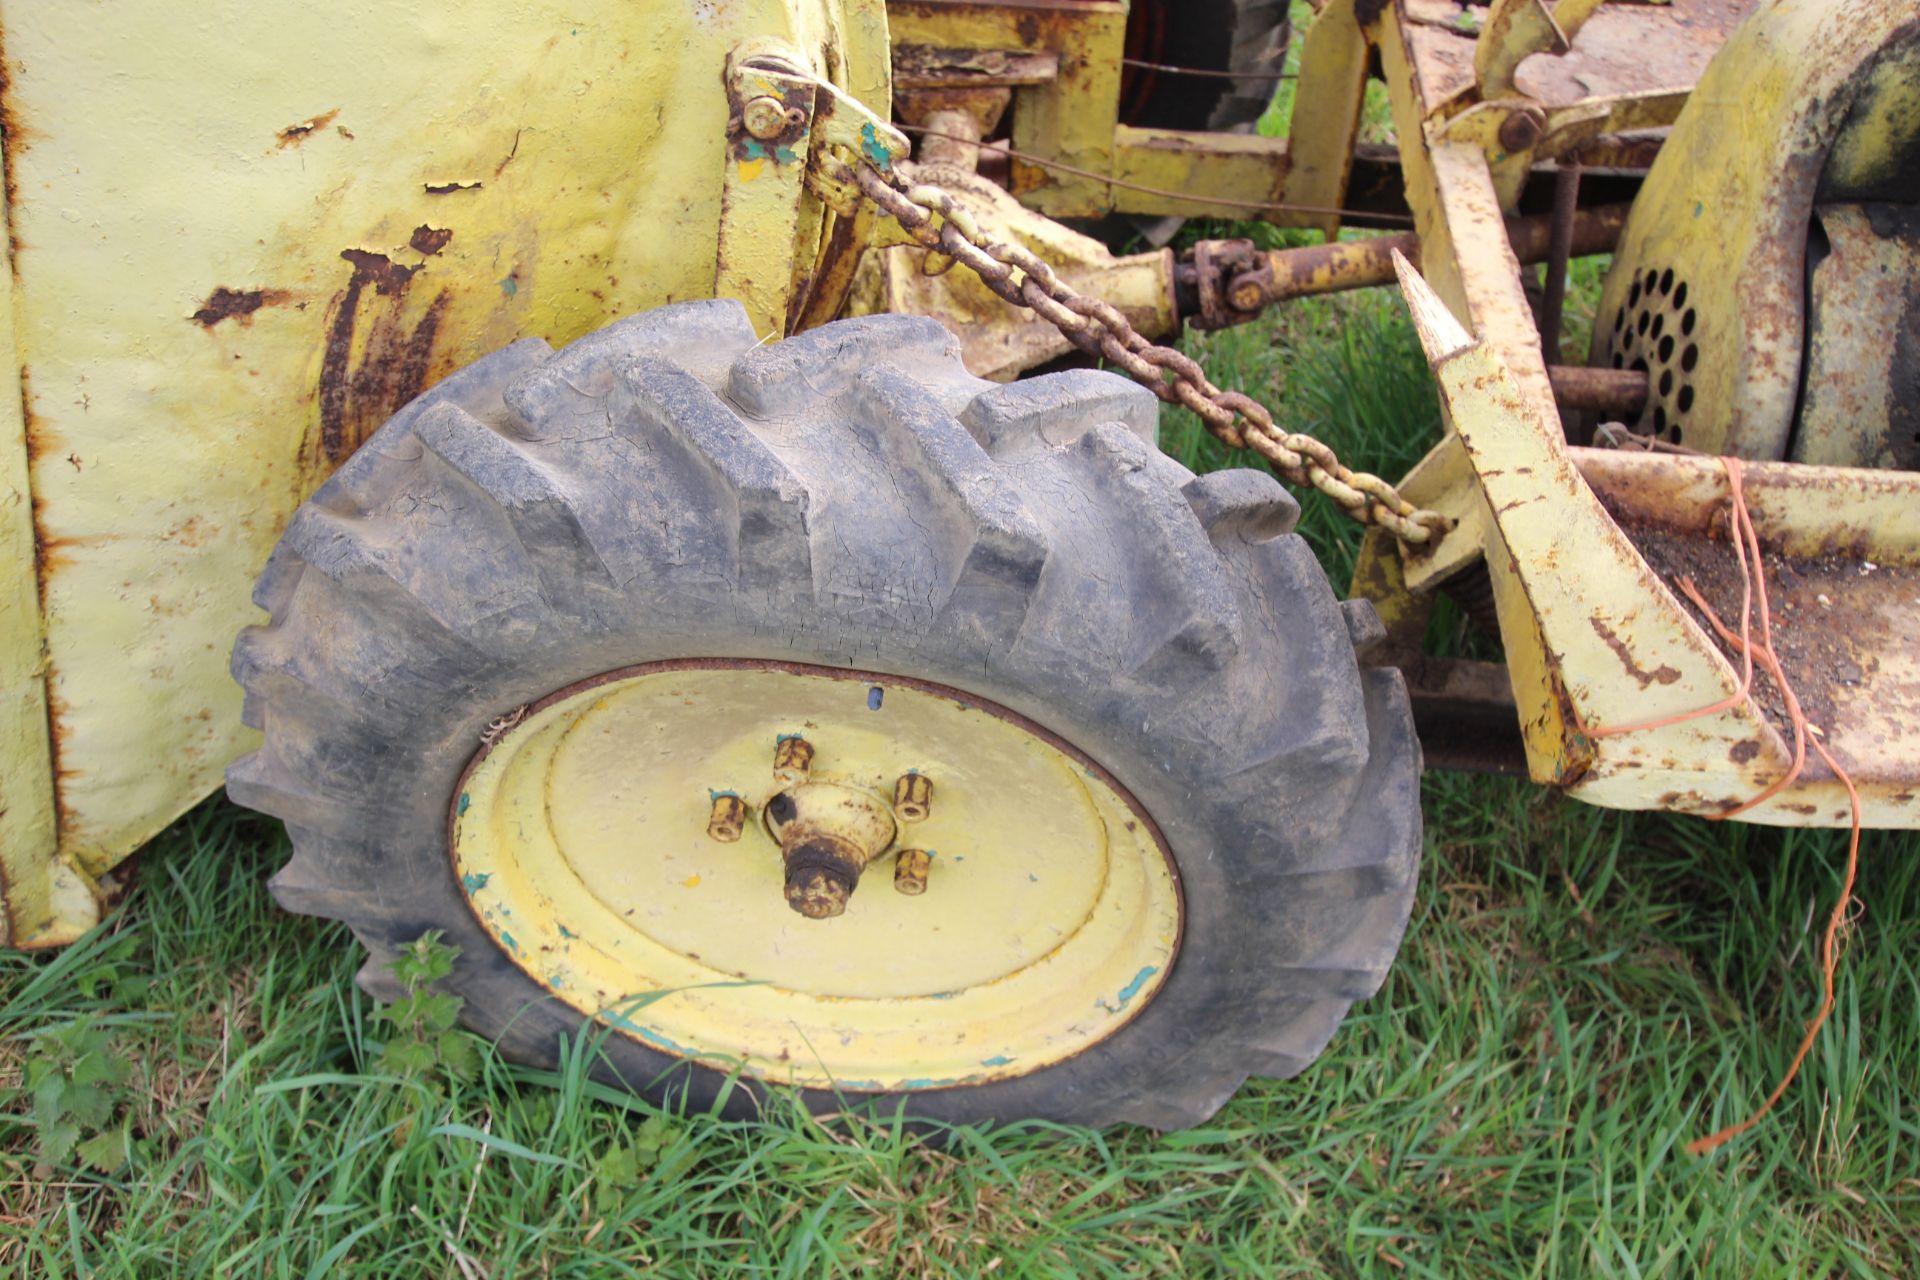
{"x":913,"y":797}
{"x":1247,"y":293}
{"x":1519,"y":131}
{"x":728,"y":818}
{"x":764,"y":117}
{"x":792,"y":758}
{"x":910,"y":868}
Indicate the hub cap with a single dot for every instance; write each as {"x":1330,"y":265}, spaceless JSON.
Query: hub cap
{"x":601,"y":842}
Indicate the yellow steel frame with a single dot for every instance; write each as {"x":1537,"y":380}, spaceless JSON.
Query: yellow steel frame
{"x":210,"y":305}
{"x":1594,"y":637}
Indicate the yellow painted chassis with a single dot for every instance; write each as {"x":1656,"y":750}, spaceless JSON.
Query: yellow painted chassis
{"x":211,"y":307}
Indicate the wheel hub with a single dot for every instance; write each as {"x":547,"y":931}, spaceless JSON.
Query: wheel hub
{"x":626,"y":844}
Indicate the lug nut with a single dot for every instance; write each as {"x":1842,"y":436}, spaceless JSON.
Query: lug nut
{"x":910,"y":867}
{"x":792,"y":759}
{"x":764,"y":117}
{"x":728,"y":818}
{"x":913,"y":797}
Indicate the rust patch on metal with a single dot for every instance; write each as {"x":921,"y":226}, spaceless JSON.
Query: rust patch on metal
{"x":295,"y":134}
{"x":1663,"y":674}
{"x":13,"y":140}
{"x":236,"y":304}
{"x":1744,"y":751}
{"x":429,"y":240}
{"x":448,"y":188}
{"x":393,"y":358}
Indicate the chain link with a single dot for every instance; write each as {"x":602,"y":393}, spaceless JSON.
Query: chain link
{"x":939,"y":223}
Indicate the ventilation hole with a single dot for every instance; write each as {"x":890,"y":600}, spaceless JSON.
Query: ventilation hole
{"x":875,"y":696}
{"x":1619,"y":361}
{"x":1685,"y":402}
{"x":1626,"y":340}
{"x":1666,"y":348}
{"x":1633,"y":295}
{"x":1638,"y":364}
{"x":1666,"y":383}
{"x":1619,"y":320}
{"x":1640,"y":325}
{"x":1674,"y":433}
{"x":1689,"y":358}
{"x":1686,"y":321}
{"x":1680,"y":295}
{"x":1652,"y":281}
{"x":1666,"y":280}
{"x":1659,"y":421}
{"x":1659,"y":323}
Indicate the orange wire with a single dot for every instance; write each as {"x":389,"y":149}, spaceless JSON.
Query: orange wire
{"x":1746,"y":542}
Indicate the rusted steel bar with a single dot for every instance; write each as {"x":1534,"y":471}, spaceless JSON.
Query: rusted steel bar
{"x":1361,"y":264}
{"x":1617,"y":394}
{"x":1566,"y":203}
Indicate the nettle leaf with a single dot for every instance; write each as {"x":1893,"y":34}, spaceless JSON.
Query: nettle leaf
{"x":57,"y":1140}
{"x":458,"y":1054}
{"x":424,"y":961}
{"x":90,"y":1104}
{"x":101,"y":1067}
{"x":439,"y":1012}
{"x":109,"y":1150}
{"x":49,"y":1098}
{"x":406,"y":1057}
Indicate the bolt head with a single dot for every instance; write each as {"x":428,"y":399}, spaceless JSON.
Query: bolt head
{"x":1247,"y":295}
{"x":764,"y":117}
{"x":1519,"y":131}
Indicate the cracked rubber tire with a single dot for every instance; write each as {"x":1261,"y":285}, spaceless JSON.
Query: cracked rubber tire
{"x":667,"y":488}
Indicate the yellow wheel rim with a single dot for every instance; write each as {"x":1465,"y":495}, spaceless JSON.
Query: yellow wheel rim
{"x":1051,"y":913}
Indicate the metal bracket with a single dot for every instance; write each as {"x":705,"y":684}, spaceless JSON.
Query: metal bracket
{"x":789,"y":136}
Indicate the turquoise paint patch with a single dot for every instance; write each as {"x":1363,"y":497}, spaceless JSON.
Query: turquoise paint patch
{"x":461,"y":809}
{"x":877,"y":154}
{"x":997,"y":1060}
{"x":475,"y":881}
{"x":510,"y":285}
{"x":511,"y":944}
{"x":1698,"y":208}
{"x":567,"y":933}
{"x":715,"y":795}
{"x":754,"y":151}
{"x":1132,"y":989}
{"x":785,"y":737}
{"x":784,"y":155}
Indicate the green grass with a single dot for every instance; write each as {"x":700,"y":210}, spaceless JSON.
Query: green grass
{"x":1581,"y":992}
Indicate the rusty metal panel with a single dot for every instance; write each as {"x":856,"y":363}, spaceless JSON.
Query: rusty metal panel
{"x":1860,"y":399}
{"x":27,"y":836}
{"x":1707,"y":289}
{"x":243,"y":239}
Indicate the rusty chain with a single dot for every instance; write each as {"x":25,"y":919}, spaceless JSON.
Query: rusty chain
{"x":940,"y":224}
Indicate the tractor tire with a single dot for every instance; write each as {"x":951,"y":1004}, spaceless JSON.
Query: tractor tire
{"x":1249,"y":37}
{"x":668,"y":488}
